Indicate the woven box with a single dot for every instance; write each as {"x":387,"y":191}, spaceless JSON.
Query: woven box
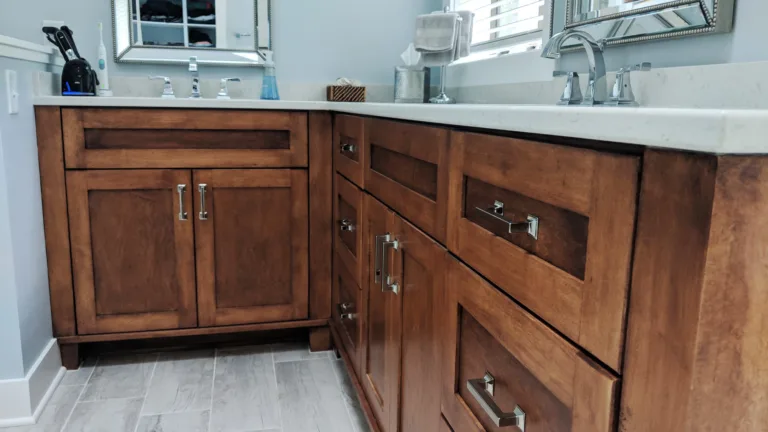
{"x":346,"y":94}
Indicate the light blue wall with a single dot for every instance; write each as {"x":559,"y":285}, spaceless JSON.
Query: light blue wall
{"x":314,"y":41}
{"x":23,"y":245}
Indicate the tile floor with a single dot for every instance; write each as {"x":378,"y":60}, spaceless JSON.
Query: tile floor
{"x":270,"y":388}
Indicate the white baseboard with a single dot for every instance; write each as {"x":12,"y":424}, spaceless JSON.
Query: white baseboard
{"x":22,"y":400}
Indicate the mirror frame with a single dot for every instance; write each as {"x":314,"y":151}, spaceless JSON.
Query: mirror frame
{"x":181,"y":55}
{"x":720,"y":20}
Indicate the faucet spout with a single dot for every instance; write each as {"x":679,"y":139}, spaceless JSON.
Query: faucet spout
{"x":597,"y":89}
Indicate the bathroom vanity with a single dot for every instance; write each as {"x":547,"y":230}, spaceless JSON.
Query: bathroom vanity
{"x":473,"y":277}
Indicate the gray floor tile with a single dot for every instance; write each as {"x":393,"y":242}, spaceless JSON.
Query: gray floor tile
{"x":81,"y":375}
{"x":181,"y":382}
{"x":350,"y":397}
{"x":244,"y":391}
{"x":120,"y":377}
{"x":310,"y":397}
{"x":175,"y":422}
{"x":55,"y":412}
{"x":113,"y":415}
{"x":285,"y":352}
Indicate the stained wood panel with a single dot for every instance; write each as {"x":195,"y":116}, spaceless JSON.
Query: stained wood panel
{"x":162,"y":138}
{"x":576,"y":275}
{"x":549,"y":378}
{"x":407,"y":169}
{"x":349,"y":150}
{"x":252,"y":250}
{"x":348,"y":206}
{"x":321,"y":213}
{"x":133,"y":258}
{"x":348,"y":313}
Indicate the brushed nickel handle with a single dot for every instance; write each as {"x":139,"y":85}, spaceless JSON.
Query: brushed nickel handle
{"x":530,"y":226}
{"x":344,"y":313}
{"x":388,"y":283}
{"x":377,"y":259}
{"x":181,"y":189}
{"x":482,"y":390}
{"x":346,"y":225}
{"x":203,"y":213}
{"x":348,"y":148}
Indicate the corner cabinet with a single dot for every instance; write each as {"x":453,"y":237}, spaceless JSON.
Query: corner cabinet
{"x":185,"y":222}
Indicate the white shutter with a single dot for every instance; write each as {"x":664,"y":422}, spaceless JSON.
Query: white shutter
{"x":500,"y":23}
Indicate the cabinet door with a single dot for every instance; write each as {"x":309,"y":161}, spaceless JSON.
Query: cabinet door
{"x":381,"y":326}
{"x":419,"y":270}
{"x":132,"y":250}
{"x":251,"y":231}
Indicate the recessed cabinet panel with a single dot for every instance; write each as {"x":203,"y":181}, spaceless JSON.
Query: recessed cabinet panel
{"x":348,"y":228}
{"x":252,"y":245}
{"x":132,"y":250}
{"x":349,"y":152}
{"x":348,"y":312}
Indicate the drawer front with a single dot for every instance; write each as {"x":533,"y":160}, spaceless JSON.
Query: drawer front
{"x":443,"y":426}
{"x":349,"y":151}
{"x":573,"y":271}
{"x":348,"y":214}
{"x":407,"y":169}
{"x":347,"y":313}
{"x":506,"y":361}
{"x":148,"y":138}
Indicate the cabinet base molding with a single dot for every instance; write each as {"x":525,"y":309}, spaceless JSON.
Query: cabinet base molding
{"x":111,"y":337}
{"x":320,"y":339}
{"x":355,"y":382}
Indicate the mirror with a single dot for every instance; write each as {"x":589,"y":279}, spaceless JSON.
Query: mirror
{"x":218,"y":32}
{"x":626,"y":21}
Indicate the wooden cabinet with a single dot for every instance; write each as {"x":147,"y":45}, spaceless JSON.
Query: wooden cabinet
{"x":348,"y":313}
{"x":349,"y":153}
{"x":252,"y":245}
{"x":401,"y":370}
{"x":348,"y":232}
{"x":503,"y":366}
{"x":132,"y":250}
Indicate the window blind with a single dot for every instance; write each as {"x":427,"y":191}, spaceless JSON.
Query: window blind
{"x":503,"y":22}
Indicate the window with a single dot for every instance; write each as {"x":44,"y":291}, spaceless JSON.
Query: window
{"x":503,"y":24}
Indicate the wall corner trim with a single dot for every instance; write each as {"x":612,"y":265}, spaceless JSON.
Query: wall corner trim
{"x":29,"y":51}
{"x":23,"y":400}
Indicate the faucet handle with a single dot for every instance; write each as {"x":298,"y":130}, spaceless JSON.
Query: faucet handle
{"x":224,"y":91}
{"x":572,"y":92}
{"x":622,"y":94}
{"x":167,"y":87}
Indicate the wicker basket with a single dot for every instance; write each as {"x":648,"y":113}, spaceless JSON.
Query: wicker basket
{"x":346,"y":94}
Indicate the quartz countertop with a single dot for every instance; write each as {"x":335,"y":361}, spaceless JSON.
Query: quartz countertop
{"x":719,"y":131}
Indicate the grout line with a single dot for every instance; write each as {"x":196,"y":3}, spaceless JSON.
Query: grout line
{"x":277,"y":388}
{"x":88,"y":381}
{"x":146,"y":393}
{"x":213,"y":386}
{"x":339,"y":381}
{"x":78,"y":400}
{"x":152,"y":414}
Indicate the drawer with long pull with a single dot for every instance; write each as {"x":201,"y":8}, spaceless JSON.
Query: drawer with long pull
{"x":349,"y":151}
{"x":506,"y":370}
{"x":348,"y":214}
{"x":347,"y":312}
{"x":552,"y":226}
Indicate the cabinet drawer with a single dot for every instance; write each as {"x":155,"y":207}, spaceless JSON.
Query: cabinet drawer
{"x":533,"y":370}
{"x":347,"y":313}
{"x":443,"y":425}
{"x":349,"y":151}
{"x":574,"y":270}
{"x":407,"y":169}
{"x":148,"y":138}
{"x":348,"y":214}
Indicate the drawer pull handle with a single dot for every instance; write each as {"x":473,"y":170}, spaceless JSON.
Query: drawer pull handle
{"x":346,"y":225}
{"x":344,"y":313}
{"x":203,"y":213}
{"x":380,"y":261}
{"x":531,"y":226}
{"x":181,"y":189}
{"x":482,"y":389}
{"x":348,"y":148}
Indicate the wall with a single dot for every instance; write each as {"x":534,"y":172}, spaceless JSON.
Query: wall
{"x":314,"y":41}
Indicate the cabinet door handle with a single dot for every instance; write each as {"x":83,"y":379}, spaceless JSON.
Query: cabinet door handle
{"x":530,"y":226}
{"x":181,"y":189}
{"x":348,"y":148}
{"x":482,"y":390}
{"x":346,"y":225}
{"x":377,"y":273}
{"x":344,"y":313}
{"x":387,"y":282}
{"x":203,"y":213}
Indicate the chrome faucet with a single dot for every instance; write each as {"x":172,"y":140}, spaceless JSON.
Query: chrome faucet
{"x":597,"y":88}
{"x":195,"y":78}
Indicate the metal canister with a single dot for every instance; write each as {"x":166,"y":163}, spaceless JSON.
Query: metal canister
{"x":411,"y":85}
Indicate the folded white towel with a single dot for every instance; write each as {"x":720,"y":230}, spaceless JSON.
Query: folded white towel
{"x":443,"y":37}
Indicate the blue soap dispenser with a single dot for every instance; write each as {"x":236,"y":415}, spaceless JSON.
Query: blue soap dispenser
{"x":269,"y":83}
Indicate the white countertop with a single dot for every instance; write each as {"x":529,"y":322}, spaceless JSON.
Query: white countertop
{"x":720,"y":131}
